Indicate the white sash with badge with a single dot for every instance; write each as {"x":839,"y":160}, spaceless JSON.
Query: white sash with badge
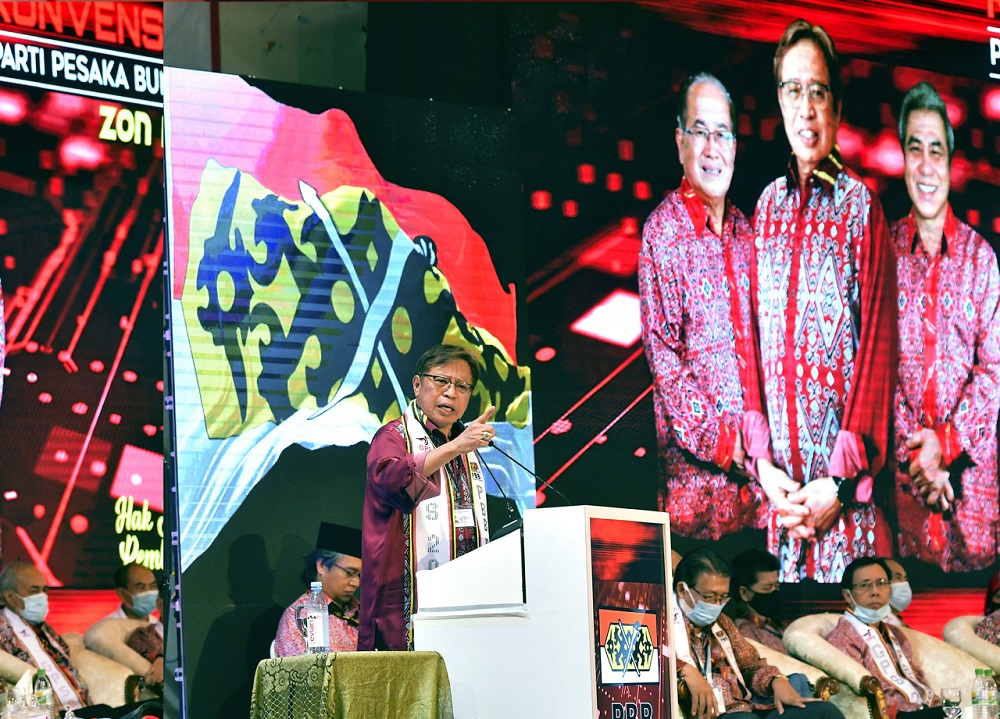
{"x":61,"y":686}
{"x":434,"y":517}
{"x":906,"y":683}
{"x":682,"y":648}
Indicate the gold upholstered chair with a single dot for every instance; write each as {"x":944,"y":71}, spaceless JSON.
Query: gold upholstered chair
{"x":961,"y":632}
{"x":862,"y":698}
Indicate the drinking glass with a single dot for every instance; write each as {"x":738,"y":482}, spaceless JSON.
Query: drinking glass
{"x":952,"y":702}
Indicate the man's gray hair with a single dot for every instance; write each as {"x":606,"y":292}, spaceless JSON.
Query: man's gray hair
{"x":8,"y":577}
{"x":326,"y":557}
{"x":682,"y":102}
{"x":923,"y":96}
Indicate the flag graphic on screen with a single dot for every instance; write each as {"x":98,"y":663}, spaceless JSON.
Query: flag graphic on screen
{"x":301,"y":303}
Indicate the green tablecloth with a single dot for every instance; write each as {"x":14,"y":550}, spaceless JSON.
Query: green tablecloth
{"x":372,"y":685}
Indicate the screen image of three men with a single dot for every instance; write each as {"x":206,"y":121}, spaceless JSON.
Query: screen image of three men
{"x":818,"y":372}
{"x":816,"y":366}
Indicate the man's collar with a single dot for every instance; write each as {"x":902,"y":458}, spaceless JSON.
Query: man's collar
{"x":432,"y":429}
{"x":755,"y":617}
{"x":950,"y":230}
{"x":825,"y":173}
{"x":347,"y":612}
{"x":697,"y":208}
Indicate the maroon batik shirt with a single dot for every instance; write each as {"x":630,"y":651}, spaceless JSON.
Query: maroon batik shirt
{"x":701,"y":347}
{"x":395,"y":485}
{"x":949,"y":370}
{"x":825,"y":287}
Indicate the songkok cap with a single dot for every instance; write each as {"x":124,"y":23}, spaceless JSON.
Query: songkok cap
{"x":338,"y":538}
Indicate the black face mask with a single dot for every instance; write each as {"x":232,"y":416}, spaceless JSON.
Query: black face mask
{"x":768,"y":605}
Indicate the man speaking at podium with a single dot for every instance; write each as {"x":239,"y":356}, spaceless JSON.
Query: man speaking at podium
{"x":425,"y":496}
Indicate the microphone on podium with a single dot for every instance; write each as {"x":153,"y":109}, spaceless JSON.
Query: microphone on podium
{"x":513,"y":515}
{"x":545,"y":485}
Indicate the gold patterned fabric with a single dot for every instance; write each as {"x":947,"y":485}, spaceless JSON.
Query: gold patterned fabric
{"x":373,"y":685}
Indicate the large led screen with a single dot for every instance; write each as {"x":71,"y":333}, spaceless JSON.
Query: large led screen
{"x":597,"y":92}
{"x":305,"y":284}
{"x":81,"y":245}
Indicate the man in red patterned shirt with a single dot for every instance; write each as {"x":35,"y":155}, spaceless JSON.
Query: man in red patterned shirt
{"x":697,"y":330}
{"x":949,"y":357}
{"x":825,"y":292}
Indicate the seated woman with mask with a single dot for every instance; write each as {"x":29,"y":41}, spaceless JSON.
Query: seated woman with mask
{"x":723,"y":672}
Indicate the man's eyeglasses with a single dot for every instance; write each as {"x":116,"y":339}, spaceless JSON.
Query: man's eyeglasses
{"x":351,"y":573}
{"x":443,"y":382}
{"x":700,"y":135}
{"x":712,"y":598}
{"x":868,"y":585}
{"x":792,"y":92}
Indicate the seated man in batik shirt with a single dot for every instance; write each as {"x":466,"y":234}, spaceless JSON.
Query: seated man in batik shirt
{"x":989,"y":627}
{"x":756,"y":604}
{"x":723,"y":672}
{"x":25,"y":634}
{"x":864,"y":635}
{"x":901,"y":593}
{"x":336,"y":564}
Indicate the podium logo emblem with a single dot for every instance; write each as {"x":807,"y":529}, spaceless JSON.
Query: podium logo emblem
{"x":629,"y":647}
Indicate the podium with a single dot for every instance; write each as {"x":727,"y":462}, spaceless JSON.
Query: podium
{"x":569,"y":617}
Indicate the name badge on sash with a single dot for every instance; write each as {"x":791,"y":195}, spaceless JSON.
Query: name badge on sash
{"x":720,"y":699}
{"x":464,"y":518}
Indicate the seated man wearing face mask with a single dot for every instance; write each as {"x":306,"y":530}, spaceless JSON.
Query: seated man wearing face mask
{"x":723,"y":672}
{"x":755,"y":607}
{"x":136,"y":586}
{"x":25,"y":635}
{"x":901,"y":593}
{"x":863,"y":634}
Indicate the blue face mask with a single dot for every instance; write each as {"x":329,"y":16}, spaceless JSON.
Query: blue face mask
{"x":870,"y":616}
{"x":702,"y":614}
{"x":144,"y":603}
{"x":36,"y":608}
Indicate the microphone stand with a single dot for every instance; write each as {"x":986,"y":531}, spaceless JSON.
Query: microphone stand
{"x":514,"y":516}
{"x":544,"y":485}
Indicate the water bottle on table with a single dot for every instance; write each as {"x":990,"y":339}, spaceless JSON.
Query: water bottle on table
{"x":43,"y":695}
{"x":991,"y":694}
{"x":979,"y":695}
{"x":317,"y":624}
